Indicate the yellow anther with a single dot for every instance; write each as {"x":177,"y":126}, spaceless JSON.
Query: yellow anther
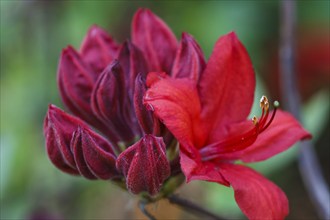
{"x":255,"y":120}
{"x":264,"y":104}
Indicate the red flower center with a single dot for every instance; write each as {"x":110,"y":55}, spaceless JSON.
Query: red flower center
{"x":241,"y":142}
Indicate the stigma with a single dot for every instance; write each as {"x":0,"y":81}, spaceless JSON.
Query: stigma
{"x":241,"y":142}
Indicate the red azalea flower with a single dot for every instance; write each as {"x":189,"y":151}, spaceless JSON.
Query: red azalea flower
{"x":207,"y":114}
{"x":204,"y":106}
{"x":103,"y":85}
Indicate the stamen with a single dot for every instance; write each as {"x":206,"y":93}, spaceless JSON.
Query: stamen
{"x":255,"y":120}
{"x":230,"y":145}
{"x":276,"y":105}
{"x":264,"y":104}
{"x":263,"y":118}
{"x":243,"y":141}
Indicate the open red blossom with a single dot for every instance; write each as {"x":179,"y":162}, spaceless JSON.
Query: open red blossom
{"x":207,"y":113}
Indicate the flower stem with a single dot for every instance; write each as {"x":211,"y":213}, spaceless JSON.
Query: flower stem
{"x":189,"y":206}
{"x":308,"y":162}
{"x":142,"y":206}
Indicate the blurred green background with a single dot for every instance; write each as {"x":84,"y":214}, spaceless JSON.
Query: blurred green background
{"x":33,"y":34}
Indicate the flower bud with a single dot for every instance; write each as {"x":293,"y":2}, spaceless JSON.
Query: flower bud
{"x":94,"y":157}
{"x":145,"y":166}
{"x":110,"y":102}
{"x":58,"y":129}
{"x":144,"y":116}
{"x":98,"y":49}
{"x":132,"y":61}
{"x":155,"y":39}
{"x":76,"y":81}
{"x":189,"y":60}
{"x":73,"y":147}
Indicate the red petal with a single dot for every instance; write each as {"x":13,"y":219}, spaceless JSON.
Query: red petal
{"x":145,"y":165}
{"x":176,"y":103}
{"x":155,"y":39}
{"x":284,"y":131}
{"x":154,"y":77}
{"x":93,"y":155}
{"x":226,"y":86}
{"x":257,"y":197}
{"x":189,"y":61}
{"x":98,"y":49}
{"x":195,"y":169}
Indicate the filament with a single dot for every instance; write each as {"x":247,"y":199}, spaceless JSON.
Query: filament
{"x":243,"y":141}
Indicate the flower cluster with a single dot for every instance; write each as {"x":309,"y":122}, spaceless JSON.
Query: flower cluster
{"x":134,"y":101}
